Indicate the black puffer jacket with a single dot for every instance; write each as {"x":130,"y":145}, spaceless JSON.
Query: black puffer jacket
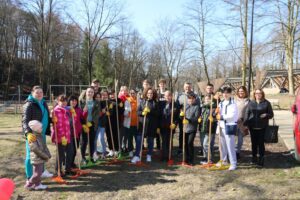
{"x":253,"y":112}
{"x":32,"y":111}
{"x":151,"y":124}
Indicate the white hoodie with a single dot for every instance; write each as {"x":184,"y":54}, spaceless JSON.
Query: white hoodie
{"x":229,"y":112}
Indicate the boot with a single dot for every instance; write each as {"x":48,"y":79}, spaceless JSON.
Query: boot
{"x":261,"y":162}
{"x":254,"y":161}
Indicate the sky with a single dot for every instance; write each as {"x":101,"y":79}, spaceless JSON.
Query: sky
{"x":144,"y":14}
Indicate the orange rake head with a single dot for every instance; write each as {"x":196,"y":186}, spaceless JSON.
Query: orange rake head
{"x":59,"y":179}
{"x":184,"y":164}
{"x":207,"y":165}
{"x":139,"y":164}
{"x":80,"y":173}
{"x":170,"y":162}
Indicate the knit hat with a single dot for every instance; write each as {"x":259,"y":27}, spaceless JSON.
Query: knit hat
{"x":35,"y":126}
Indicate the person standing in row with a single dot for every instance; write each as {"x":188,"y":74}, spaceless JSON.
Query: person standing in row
{"x":87,"y":105}
{"x":78,"y":121}
{"x":148,"y":108}
{"x":190,"y":120}
{"x":61,"y":135}
{"x":228,"y":116}
{"x":180,"y":101}
{"x":257,"y":115}
{"x":242,"y":101}
{"x":35,"y":108}
{"x":165,"y":123}
{"x":130,"y":120}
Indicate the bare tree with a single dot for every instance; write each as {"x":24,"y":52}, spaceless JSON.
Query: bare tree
{"x":100,"y":17}
{"x":288,"y":18}
{"x":173,"y":47}
{"x":198,"y":16}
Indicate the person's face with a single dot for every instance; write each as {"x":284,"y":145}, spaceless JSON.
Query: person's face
{"x":73,"y":103}
{"x":209,"y":89}
{"x":187,"y":88}
{"x":258,"y":95}
{"x":150,"y":94}
{"x":95,"y":85}
{"x":62,"y":103}
{"x":162,"y":85}
{"x":191,"y":101}
{"x":112,"y":95}
{"x":132,"y":93}
{"x":168,"y":97}
{"x":226,"y":95}
{"x":104,"y":96}
{"x":38,"y":94}
{"x":124,"y":92}
{"x":98,"y":97}
{"x":206,"y":100}
{"x":241,"y":93}
{"x":146,"y":85}
{"x":90,"y":93}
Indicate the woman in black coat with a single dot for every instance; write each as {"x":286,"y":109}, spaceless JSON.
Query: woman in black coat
{"x":257,"y":115}
{"x":148,"y":108}
{"x":35,"y":108}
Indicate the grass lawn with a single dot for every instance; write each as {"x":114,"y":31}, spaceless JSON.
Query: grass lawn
{"x":279,"y":179}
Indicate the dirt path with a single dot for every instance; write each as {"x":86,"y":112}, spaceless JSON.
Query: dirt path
{"x":279,"y":179}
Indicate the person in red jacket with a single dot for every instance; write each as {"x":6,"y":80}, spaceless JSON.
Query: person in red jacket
{"x":78,"y":121}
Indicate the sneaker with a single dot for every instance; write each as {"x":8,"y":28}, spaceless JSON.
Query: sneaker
{"x":27,"y":186}
{"x":232,"y":167}
{"x":131,"y":154}
{"x":110,"y":153}
{"x":148,"y":158}
{"x":222,"y":163}
{"x":103,"y":157}
{"x":83,"y":162}
{"x":260,"y":162}
{"x":116,"y":153}
{"x":253,"y":161}
{"x":40,"y":187}
{"x":203,"y":161}
{"x":95,"y":157}
{"x":135,"y":159}
{"x":238,"y":156}
{"x":47,"y":174}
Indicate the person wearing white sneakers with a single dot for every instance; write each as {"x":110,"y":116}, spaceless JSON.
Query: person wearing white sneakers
{"x":130,"y":120}
{"x":228,"y":117}
{"x":148,"y":109}
{"x":39,"y":154}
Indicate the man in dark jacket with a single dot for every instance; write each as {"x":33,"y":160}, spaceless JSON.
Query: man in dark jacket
{"x":165,"y":123}
{"x":190,"y":123}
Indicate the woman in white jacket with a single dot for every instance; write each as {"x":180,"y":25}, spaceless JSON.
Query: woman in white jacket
{"x":228,"y":116}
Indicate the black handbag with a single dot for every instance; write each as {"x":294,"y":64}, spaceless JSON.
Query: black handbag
{"x":271,"y":134}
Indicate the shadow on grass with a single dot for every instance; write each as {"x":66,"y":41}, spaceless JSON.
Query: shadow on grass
{"x":115,"y":178}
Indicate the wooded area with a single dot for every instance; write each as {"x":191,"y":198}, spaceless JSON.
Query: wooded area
{"x":45,"y":42}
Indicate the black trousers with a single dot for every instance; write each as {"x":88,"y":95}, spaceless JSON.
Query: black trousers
{"x":165,"y":136}
{"x":74,"y":149}
{"x":65,"y":157}
{"x":84,"y":143}
{"x":158,"y":144}
{"x":189,"y":147}
{"x":257,"y":142}
{"x":180,"y":134}
{"x":115,"y":137}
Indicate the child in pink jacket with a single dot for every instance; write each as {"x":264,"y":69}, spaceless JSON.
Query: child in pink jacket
{"x":62,"y":121}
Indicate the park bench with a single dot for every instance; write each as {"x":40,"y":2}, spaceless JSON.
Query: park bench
{"x":274,"y":103}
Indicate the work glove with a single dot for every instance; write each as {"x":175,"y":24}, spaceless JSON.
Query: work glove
{"x":199,"y":120}
{"x":31,"y":137}
{"x":185,"y":121}
{"x":172,"y":126}
{"x":64,"y":141}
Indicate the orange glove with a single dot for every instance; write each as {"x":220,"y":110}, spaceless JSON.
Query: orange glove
{"x":54,"y":119}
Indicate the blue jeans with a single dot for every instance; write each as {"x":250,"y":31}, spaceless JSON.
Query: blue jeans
{"x":100,"y":136}
{"x":150,"y":142}
{"x":204,"y":144}
{"x":240,"y":141}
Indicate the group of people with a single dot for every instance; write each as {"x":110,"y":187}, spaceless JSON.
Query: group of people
{"x":108,"y":123}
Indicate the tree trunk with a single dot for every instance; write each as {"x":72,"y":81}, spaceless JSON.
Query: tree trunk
{"x":245,"y":50}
